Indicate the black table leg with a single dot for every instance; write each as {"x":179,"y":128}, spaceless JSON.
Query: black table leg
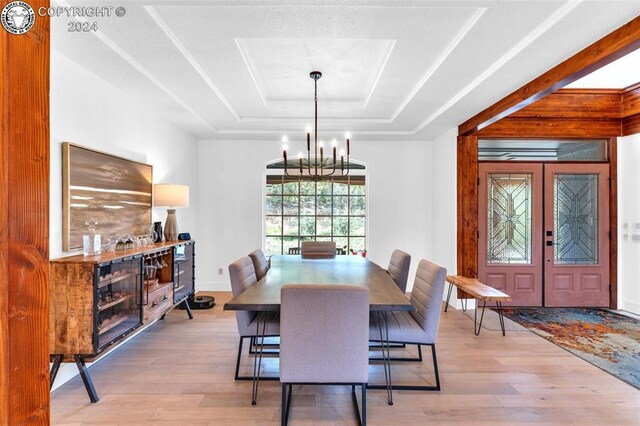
{"x":86,"y":379}
{"x":257,"y":360}
{"x":386,"y":357}
{"x":501,"y":316}
{"x":187,"y":308}
{"x":476,"y":326}
{"x":57,"y":360}
{"x":446,"y":306}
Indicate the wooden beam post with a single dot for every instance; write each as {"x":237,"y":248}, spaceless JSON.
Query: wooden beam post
{"x":622,"y":41}
{"x":24,"y":224}
{"x":467,"y":184}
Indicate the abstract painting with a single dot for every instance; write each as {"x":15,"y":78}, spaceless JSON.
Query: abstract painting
{"x":114,"y":192}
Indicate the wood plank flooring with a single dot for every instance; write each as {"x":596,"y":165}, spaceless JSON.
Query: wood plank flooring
{"x":180,"y":372}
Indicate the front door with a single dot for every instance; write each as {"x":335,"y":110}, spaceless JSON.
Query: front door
{"x":510,"y":224}
{"x":576,"y":235}
{"x":544,"y":232}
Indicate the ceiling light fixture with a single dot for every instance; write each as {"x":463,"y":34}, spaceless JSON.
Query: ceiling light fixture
{"x":316,"y":169}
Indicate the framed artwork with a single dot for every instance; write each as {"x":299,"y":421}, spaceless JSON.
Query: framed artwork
{"x":114,"y":192}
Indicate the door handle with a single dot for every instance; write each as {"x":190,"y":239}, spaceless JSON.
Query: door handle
{"x":549,"y":243}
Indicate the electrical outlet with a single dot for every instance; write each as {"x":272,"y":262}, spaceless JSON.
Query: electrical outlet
{"x":220,"y":271}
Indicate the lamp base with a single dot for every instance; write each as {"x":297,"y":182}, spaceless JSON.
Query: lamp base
{"x":171,"y":226}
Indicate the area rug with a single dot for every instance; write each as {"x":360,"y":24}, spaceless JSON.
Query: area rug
{"x":605,"y":339}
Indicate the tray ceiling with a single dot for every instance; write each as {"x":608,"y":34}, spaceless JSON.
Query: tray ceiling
{"x":391,"y":69}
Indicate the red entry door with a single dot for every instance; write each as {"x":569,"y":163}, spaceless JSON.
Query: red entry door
{"x":576,"y":235}
{"x":510,"y":250}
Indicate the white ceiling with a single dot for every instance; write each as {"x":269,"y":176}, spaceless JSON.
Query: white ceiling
{"x":392,"y":70}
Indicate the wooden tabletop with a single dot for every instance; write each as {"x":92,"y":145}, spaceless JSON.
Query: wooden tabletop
{"x":384,"y":294}
{"x":478,"y":290}
{"x":114,"y":255}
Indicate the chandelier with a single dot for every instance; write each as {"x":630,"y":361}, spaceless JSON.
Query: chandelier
{"x":318,"y":166}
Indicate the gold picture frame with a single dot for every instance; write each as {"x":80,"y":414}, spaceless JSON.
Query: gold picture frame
{"x":99,"y":187}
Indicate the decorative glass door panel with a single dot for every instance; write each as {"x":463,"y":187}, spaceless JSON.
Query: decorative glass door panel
{"x":509,"y":218}
{"x":576,"y":234}
{"x":575,"y":219}
{"x":510,"y":249}
{"x":183,"y":277}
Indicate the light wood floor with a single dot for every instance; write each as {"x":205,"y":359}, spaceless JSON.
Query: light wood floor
{"x":181,"y":372}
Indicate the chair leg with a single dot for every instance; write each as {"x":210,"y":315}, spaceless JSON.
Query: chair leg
{"x":283,"y":414}
{"x":403,"y":359}
{"x":362,"y":416}
{"x":238,"y":377}
{"x":239,"y":355}
{"x":418,"y":387}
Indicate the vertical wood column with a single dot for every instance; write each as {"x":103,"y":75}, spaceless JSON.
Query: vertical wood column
{"x":467,"y":180}
{"x":24,"y":224}
{"x":613,"y":221}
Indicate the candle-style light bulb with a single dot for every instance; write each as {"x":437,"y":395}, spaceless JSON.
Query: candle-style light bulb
{"x":348,"y":136}
{"x":334,"y":142}
{"x":341,"y":152}
{"x":285,"y":146}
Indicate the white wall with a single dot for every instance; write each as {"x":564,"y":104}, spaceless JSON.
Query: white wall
{"x":628,"y":212}
{"x":231,"y":177}
{"x":90,"y":112}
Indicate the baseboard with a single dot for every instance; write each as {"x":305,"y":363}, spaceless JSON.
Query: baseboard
{"x":630,"y":307}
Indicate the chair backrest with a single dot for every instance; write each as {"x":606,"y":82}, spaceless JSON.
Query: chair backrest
{"x":318,"y":249}
{"x":242,"y":276}
{"x":294,"y":250}
{"x":426,"y":296}
{"x":324,"y":334}
{"x":399,"y":268}
{"x":260,"y":263}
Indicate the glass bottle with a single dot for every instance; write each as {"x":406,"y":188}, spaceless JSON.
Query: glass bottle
{"x":91,"y":242}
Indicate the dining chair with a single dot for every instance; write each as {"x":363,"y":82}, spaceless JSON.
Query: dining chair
{"x":294,"y":250}
{"x":399,"y":268}
{"x":260,"y":263}
{"x":419,"y":327}
{"x":318,"y":249}
{"x":324,"y":339}
{"x":242,"y":276}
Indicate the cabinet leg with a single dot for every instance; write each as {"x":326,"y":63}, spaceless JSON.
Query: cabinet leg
{"x":57,"y":360}
{"x":187,"y":308}
{"x":86,"y":379}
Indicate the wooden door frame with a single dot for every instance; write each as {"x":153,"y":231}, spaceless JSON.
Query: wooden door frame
{"x":24,"y":224}
{"x":543,"y":126}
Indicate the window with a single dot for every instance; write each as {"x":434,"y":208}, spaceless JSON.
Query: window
{"x":299,"y":209}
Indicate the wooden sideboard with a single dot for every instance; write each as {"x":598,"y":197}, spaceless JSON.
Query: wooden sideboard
{"x":96,"y":301}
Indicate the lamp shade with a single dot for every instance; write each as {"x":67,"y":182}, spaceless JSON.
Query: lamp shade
{"x":171,"y":195}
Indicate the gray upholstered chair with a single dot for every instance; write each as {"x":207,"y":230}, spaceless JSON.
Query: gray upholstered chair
{"x":260,"y":263}
{"x":421,"y":326}
{"x":399,"y":268}
{"x":324,"y":339}
{"x":318,"y":249}
{"x":242,"y":277}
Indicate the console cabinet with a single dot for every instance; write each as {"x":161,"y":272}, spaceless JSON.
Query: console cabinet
{"x":96,"y":301}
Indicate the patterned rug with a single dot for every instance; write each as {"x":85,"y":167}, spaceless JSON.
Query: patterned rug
{"x":605,"y":339}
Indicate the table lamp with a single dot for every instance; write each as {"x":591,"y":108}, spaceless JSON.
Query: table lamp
{"x":171,"y":196}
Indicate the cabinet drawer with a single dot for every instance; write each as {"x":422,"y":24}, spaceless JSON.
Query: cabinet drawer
{"x":160,"y":302}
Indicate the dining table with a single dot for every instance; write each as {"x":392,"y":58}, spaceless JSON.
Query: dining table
{"x":264,"y":296}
